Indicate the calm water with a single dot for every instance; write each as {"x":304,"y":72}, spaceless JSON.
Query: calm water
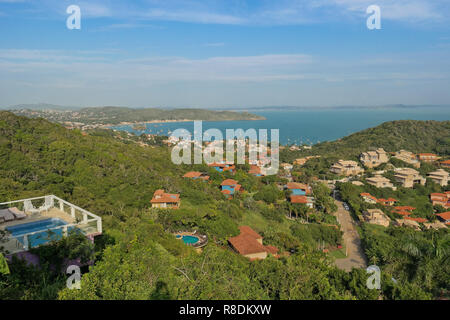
{"x":309,"y":126}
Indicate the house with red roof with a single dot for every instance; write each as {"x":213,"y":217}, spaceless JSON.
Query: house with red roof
{"x":444,"y":217}
{"x":255,"y":171}
{"x":387,"y":202}
{"x":299,"y":189}
{"x":404,"y":210}
{"x":428,"y":157}
{"x":222,"y":167}
{"x":445,"y":164}
{"x":308,"y":201}
{"x":367,"y":197}
{"x":419,"y":220}
{"x":250,"y":244}
{"x":230,"y":187}
{"x":196,"y":175}
{"x":442,"y":199}
{"x":165,"y":200}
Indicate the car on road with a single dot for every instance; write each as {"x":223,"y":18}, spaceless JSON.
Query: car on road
{"x":346,"y":207}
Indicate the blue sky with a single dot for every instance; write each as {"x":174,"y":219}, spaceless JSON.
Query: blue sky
{"x":225,"y":53}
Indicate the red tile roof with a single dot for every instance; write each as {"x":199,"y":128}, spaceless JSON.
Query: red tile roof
{"x":254,"y":170}
{"x":299,"y":199}
{"x":229,"y":182}
{"x":246,"y":244}
{"x":192,"y":174}
{"x":420,"y":220}
{"x":428,"y":154}
{"x":368,"y":195}
{"x":272,"y":250}
{"x":161,"y":197}
{"x":404,"y":208}
{"x":444,"y":215}
{"x":250,"y":231}
{"x":296,"y":185}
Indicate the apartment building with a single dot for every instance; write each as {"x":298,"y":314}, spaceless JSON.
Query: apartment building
{"x":380,"y":182}
{"x":372,"y":159}
{"x":428,"y":157}
{"x":407,"y":177}
{"x":407,"y":157}
{"x":439,"y":176}
{"x":376,"y":216}
{"x":346,"y":168}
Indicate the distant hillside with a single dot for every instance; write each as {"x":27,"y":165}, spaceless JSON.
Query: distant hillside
{"x":116,"y":115}
{"x":40,"y":107}
{"x":415,"y":136}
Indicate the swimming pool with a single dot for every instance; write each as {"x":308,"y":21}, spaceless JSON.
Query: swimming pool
{"x":190,"y":239}
{"x":39,"y":238}
{"x":187,"y":239}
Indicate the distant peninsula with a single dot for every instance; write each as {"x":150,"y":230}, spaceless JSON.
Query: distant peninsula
{"x":94,"y":117}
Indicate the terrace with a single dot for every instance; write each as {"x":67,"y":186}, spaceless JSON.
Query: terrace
{"x":36,"y":221}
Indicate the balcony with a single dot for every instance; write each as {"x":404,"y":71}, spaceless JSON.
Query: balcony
{"x":33,"y":222}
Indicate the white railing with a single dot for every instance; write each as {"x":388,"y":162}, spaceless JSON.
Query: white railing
{"x":83,"y":217}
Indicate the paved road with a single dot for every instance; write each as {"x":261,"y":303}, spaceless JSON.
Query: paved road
{"x":355,"y":254}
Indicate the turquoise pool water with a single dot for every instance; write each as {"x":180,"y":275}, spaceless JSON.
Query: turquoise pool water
{"x":39,"y":238}
{"x":190,"y":239}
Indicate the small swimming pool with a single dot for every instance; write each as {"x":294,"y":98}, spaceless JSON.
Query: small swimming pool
{"x":39,"y":238}
{"x":190,"y":239}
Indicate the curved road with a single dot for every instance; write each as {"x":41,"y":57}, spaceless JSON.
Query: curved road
{"x":355,"y":254}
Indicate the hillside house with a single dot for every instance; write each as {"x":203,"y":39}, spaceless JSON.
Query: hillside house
{"x":439,"y":176}
{"x":255,"y":171}
{"x":376,"y":216}
{"x":445,"y":164}
{"x":408,"y":157}
{"x":404,"y":210}
{"x":372,"y":159}
{"x":222,"y":167}
{"x":308,"y":201}
{"x":346,"y":168}
{"x":442,"y":199}
{"x":387,"y":202}
{"x":250,"y":244}
{"x":164,"y":200}
{"x":380,"y":182}
{"x":444,"y":217}
{"x":229,"y":187}
{"x":196,"y":175}
{"x":428,"y":157}
{"x":407,"y":177}
{"x":367,"y":197}
{"x":298,"y":189}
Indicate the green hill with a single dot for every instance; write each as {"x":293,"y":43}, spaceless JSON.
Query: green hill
{"x":411,"y":135}
{"x":415,"y":136}
{"x":138,"y":257}
{"x":116,"y":115}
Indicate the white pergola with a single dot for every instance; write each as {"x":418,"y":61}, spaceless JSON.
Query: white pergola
{"x":35,"y":209}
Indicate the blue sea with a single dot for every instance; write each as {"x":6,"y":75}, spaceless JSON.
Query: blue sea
{"x":308,"y":126}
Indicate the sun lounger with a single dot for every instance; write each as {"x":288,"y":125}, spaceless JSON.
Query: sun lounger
{"x":7,"y":215}
{"x":17,"y":213}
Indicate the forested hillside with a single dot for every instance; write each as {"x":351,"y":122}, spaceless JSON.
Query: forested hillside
{"x":414,"y":136}
{"x":138,"y":256}
{"x":116,"y":115}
